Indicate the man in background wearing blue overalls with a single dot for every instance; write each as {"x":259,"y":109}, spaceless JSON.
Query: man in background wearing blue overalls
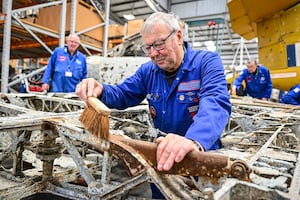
{"x":66,"y":67}
{"x":292,"y":96}
{"x":258,"y":81}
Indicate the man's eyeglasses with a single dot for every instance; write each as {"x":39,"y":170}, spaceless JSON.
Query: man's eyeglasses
{"x":73,"y":41}
{"x":159,"y":45}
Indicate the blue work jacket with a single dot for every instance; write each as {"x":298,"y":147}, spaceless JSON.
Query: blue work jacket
{"x":63,"y":73}
{"x":196,"y":105}
{"x":293,"y":96}
{"x":258,"y":85}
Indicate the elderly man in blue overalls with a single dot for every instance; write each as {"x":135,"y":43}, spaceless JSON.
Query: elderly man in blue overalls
{"x":258,"y":81}
{"x":66,"y":67}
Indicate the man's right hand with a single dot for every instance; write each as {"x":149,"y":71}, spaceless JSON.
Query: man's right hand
{"x":233,"y":90}
{"x":45,"y":87}
{"x":88,"y":88}
{"x":172,"y":149}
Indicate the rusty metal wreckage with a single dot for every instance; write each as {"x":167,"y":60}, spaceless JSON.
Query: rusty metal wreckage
{"x":260,"y":158}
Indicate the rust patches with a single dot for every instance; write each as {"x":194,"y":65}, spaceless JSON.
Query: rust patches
{"x":196,"y":163}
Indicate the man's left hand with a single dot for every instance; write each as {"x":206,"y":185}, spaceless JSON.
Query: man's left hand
{"x":172,"y":148}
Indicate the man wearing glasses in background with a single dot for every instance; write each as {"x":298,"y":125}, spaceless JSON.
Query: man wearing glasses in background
{"x":186,"y":91}
{"x":66,"y":67}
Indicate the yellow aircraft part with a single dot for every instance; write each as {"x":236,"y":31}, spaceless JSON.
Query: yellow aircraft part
{"x":275,"y":35}
{"x":244,"y":14}
{"x":276,"y":24}
{"x":284,"y":79}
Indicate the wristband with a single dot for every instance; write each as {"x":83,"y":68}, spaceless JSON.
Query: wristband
{"x":198,"y":145}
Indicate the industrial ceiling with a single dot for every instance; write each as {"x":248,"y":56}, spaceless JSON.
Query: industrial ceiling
{"x":196,"y":13}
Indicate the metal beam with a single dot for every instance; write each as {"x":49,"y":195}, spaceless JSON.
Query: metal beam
{"x":32,"y":33}
{"x":7,"y":6}
{"x":105,"y":39}
{"x":62,"y":29}
{"x":36,"y":6}
{"x":73,"y":16}
{"x":90,"y":28}
{"x":36,"y":29}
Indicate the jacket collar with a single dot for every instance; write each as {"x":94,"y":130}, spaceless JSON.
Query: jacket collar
{"x":67,"y":52}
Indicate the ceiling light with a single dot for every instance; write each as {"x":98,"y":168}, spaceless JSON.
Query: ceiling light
{"x":129,"y":16}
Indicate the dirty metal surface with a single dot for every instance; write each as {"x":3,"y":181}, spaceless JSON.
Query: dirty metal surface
{"x":44,"y":149}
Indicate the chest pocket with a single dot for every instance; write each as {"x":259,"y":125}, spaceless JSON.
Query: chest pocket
{"x":77,"y":72}
{"x":187,"y":97}
{"x":262,"y":80}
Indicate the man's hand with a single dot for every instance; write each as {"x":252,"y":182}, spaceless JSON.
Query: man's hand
{"x":233,"y":90}
{"x":45,"y":87}
{"x":172,"y":148}
{"x":88,"y":88}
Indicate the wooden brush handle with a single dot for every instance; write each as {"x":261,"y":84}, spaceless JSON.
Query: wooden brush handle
{"x":98,"y":105}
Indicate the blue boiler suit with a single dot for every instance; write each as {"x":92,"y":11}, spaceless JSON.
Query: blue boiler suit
{"x":293,"y":96}
{"x":258,"y":85}
{"x":196,"y":105}
{"x":64,"y":72}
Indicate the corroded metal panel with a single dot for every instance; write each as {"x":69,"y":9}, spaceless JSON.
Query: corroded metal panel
{"x":50,"y":152}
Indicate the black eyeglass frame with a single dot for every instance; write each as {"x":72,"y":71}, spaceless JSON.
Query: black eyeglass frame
{"x":158,"y":45}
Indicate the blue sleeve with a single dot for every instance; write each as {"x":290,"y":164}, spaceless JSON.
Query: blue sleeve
{"x":129,"y":93}
{"x":293,"y":101}
{"x":292,"y":97}
{"x":214,"y":106}
{"x":288,"y":99}
{"x":297,"y":94}
{"x":239,"y":80}
{"x":269,"y":86}
{"x":50,"y":68}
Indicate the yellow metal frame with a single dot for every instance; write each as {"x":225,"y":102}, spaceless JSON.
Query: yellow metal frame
{"x":276,"y":24}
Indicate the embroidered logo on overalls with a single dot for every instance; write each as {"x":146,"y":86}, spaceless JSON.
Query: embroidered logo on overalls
{"x":152,"y":112}
{"x":189,"y":86}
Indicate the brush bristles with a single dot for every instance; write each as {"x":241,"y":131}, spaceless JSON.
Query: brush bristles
{"x":96,"y":123}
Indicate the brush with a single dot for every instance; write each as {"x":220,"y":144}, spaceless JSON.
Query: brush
{"x":95,"y":118}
